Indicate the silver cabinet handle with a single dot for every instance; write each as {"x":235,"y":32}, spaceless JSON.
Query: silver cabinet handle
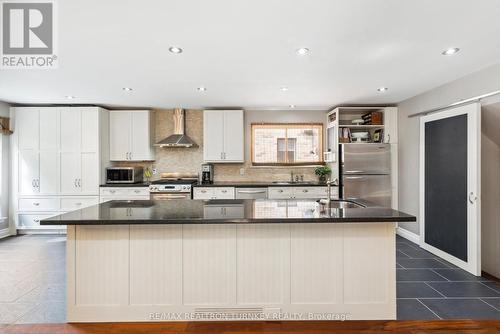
{"x":37,"y":183}
{"x":130,"y":155}
{"x":305,"y":191}
{"x":76,"y":183}
{"x":251,"y":191}
{"x":33,"y":183}
{"x":388,"y":137}
{"x":280,"y":191}
{"x":203,"y":191}
{"x":137,"y":191}
{"x":224,"y":191}
{"x":80,"y":183}
{"x":36,"y":204}
{"x":472,"y":197}
{"x":112,"y":191}
{"x":36,"y":220}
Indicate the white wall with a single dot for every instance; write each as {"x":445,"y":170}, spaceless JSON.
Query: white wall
{"x":4,"y":170}
{"x":481,"y":82}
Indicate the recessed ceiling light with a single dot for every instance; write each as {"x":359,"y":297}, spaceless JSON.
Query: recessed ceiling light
{"x":450,"y":52}
{"x":302,"y":51}
{"x":284,"y":89}
{"x":382,"y":89}
{"x":127,"y":89}
{"x":292,"y":106}
{"x":201,"y":89}
{"x":175,"y":49}
{"x":70,"y":97}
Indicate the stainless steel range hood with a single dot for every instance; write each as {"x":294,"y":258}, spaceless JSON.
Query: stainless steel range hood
{"x":179,"y":138}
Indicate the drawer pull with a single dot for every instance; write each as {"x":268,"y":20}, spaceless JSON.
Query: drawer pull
{"x":203,"y":191}
{"x":78,"y":204}
{"x":112,"y":191}
{"x":36,"y":204}
{"x":305,"y":190}
{"x":137,"y":191}
{"x":36,"y":220}
{"x":280,"y":191}
{"x":224,"y":191}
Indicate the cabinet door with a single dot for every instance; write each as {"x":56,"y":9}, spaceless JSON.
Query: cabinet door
{"x":141,"y":136}
{"x":120,"y":135}
{"x":213,"y":135}
{"x":89,"y":179}
{"x":280,"y":192}
{"x":27,"y":128}
{"x":71,"y":125}
{"x":223,"y":193}
{"x":391,"y":125}
{"x":70,"y":172}
{"x":49,"y":173}
{"x":233,"y":136}
{"x":203,"y":193}
{"x":29,"y":165}
{"x":90,"y":129}
{"x":49,"y":128}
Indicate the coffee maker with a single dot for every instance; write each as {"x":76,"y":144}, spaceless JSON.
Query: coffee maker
{"x":207,"y":174}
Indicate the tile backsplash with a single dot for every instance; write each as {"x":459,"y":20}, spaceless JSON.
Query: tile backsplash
{"x":191,"y":159}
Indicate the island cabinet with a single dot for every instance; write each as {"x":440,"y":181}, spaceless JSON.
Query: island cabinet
{"x":258,"y":271}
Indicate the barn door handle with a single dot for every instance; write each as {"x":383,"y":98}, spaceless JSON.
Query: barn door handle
{"x":472,"y":197}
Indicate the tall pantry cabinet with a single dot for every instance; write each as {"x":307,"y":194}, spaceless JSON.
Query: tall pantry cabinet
{"x":58,"y":159}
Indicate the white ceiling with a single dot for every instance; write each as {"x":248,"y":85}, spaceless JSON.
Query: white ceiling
{"x":244,"y":51}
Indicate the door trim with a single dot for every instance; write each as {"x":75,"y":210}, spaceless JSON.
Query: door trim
{"x":473,"y":112}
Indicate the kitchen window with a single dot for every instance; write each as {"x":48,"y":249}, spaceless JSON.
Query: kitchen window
{"x":289,"y":144}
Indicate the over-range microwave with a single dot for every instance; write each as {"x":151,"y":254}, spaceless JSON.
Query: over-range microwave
{"x":124,"y":174}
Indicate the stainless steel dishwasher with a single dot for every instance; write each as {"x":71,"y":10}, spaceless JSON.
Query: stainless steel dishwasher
{"x":251,"y":193}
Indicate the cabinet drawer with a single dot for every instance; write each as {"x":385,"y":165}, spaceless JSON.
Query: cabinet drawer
{"x":203,"y":193}
{"x":75,"y":203}
{"x":104,"y":199}
{"x":311,"y":192}
{"x":280,"y":192}
{"x":223,"y":193}
{"x":39,"y":204}
{"x":33,"y":220}
{"x":120,"y":191}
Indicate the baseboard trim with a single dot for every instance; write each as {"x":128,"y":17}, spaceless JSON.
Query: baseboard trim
{"x":408,"y":235}
{"x":4,"y":233}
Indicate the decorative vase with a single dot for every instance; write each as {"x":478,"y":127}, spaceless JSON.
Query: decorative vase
{"x":322,"y":178}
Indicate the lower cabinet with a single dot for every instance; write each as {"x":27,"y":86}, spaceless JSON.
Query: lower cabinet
{"x":123,"y":194}
{"x":305,"y":192}
{"x":31,"y":210}
{"x":213,"y":193}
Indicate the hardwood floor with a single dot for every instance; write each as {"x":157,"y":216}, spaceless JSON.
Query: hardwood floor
{"x":289,"y":327}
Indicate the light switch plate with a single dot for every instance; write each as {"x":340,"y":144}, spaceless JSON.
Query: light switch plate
{"x":242,"y":171}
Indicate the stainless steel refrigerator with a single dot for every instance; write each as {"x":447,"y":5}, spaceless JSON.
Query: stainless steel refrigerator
{"x":365,"y":172}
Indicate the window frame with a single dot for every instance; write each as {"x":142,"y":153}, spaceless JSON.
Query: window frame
{"x":287,"y":126}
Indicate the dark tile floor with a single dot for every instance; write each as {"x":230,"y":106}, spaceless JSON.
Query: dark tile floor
{"x":431,"y":288}
{"x":32,"y":284}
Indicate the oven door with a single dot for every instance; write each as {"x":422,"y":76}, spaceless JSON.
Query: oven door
{"x":169,"y":196}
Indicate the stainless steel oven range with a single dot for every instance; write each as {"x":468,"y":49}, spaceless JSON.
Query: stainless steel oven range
{"x":172,"y":186}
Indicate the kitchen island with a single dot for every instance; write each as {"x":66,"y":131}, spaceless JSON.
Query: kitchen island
{"x":237,"y":259}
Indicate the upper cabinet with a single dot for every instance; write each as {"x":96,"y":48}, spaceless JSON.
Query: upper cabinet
{"x":131,"y":135}
{"x":223,"y":136}
{"x":391,"y":125}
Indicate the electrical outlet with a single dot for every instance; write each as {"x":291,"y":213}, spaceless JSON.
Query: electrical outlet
{"x":242,"y":171}
{"x":154,"y":170}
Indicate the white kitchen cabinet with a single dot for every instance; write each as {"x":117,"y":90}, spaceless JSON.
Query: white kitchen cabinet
{"x":123,"y":194}
{"x":213,"y":193}
{"x":229,"y":211}
{"x":302,"y":192}
{"x":391,"y":125}
{"x":223,"y":136}
{"x":58,"y":153}
{"x":131,"y":135}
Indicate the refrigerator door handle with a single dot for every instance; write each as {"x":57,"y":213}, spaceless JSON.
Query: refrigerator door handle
{"x":355,"y":172}
{"x":354,"y":177}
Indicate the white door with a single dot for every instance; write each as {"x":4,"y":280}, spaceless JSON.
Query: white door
{"x":233,"y":135}
{"x":120,"y":135}
{"x":49,"y":173}
{"x":141,"y":137}
{"x":28,"y":172}
{"x":71,"y":173}
{"x":90,"y":129}
{"x":71,"y":125}
{"x":27,"y":128}
{"x":213,"y":135}
{"x":49,"y":129}
{"x":89,"y":179}
{"x":450,"y":155}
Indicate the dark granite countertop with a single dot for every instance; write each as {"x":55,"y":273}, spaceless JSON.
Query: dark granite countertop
{"x":245,"y":184}
{"x":225,"y":212}
{"x":124,"y":185}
